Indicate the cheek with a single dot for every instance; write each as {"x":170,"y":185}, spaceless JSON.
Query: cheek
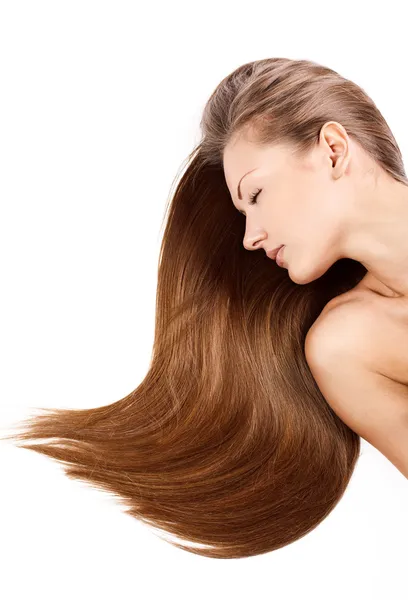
{"x":295,"y":212}
{"x":310,"y":207}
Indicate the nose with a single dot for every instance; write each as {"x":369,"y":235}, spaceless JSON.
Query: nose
{"x":253,"y":242}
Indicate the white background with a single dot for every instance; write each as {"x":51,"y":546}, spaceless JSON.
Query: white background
{"x":99,"y":107}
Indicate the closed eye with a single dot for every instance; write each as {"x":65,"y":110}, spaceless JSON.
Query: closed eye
{"x":254,"y":196}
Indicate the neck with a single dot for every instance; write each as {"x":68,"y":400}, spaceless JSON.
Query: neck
{"x":377,"y":234}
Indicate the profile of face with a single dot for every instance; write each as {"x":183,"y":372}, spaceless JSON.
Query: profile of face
{"x":304,"y":204}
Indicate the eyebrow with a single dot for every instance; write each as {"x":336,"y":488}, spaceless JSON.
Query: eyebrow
{"x":239,"y":184}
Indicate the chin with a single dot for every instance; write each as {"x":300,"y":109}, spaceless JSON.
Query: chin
{"x":304,"y":276}
{"x":298,"y":280}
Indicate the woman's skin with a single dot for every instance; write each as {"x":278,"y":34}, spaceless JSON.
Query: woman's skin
{"x":338,"y":203}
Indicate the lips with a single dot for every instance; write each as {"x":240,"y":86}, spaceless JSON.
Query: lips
{"x":273,"y":253}
{"x":279,"y":258}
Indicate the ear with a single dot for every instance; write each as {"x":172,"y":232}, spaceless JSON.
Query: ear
{"x":336,"y":142}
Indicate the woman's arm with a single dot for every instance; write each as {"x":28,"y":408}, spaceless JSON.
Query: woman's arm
{"x":340,"y":351}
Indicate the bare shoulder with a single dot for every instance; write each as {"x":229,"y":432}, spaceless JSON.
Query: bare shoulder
{"x":362,"y":327}
{"x":345,"y":325}
{"x":350,"y":350}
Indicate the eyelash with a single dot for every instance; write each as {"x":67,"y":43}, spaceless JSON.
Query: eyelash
{"x":254,"y":196}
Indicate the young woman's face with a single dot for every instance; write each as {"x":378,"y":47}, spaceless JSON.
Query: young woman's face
{"x":301,"y":203}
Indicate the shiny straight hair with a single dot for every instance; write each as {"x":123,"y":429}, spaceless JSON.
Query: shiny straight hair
{"x":227,"y":444}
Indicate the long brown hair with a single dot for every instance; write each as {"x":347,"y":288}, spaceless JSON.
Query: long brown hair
{"x":228,"y":444}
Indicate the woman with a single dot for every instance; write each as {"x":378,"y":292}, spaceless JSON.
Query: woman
{"x":245,"y":432}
